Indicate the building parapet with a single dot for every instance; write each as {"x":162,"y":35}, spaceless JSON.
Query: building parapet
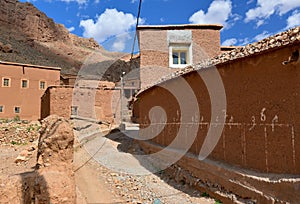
{"x":180,"y":27}
{"x":29,"y":65}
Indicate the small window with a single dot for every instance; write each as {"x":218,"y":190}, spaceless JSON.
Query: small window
{"x":1,"y":109}
{"x":180,"y":56}
{"x":74,"y":110}
{"x":24,"y":83}
{"x":6,"y":82}
{"x":42,"y":85}
{"x":17,"y":109}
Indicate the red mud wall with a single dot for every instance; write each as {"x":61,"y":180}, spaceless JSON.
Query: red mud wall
{"x":262,"y":117}
{"x":154,"y":51}
{"x":90,"y":103}
{"x":26,"y":98}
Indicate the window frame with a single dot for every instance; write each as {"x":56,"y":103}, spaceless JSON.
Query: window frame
{"x":74,"y":108}
{"x":16,"y":108}
{"x":27,"y":84}
{"x":9,"y":81}
{"x":1,"y":108}
{"x":180,"y":48}
{"x":45,"y":85}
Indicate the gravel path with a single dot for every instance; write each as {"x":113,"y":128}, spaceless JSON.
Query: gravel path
{"x":100,"y":152}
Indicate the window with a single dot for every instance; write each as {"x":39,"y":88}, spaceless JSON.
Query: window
{"x":1,"y":109}
{"x":17,"y":109}
{"x":24,"y":83}
{"x":6,"y":82}
{"x":42,"y":85}
{"x":74,"y":110}
{"x":180,"y":55}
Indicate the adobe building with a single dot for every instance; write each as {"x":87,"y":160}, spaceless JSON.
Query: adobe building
{"x":87,"y":99}
{"x":167,"y":48}
{"x":257,"y":154}
{"x":22,"y":86}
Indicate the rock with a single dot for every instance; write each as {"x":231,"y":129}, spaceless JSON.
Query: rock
{"x":7,"y":48}
{"x":20,"y":159}
{"x":296,"y":30}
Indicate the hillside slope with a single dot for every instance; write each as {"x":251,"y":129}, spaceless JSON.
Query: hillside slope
{"x":27,"y":35}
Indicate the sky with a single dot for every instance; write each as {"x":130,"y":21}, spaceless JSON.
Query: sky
{"x":112,"y":22}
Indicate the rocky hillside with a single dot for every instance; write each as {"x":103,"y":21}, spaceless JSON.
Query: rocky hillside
{"x":27,"y":35}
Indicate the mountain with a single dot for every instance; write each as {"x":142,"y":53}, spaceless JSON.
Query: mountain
{"x":27,"y":35}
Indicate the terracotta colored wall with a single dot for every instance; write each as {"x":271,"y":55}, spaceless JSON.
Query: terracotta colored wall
{"x":154,"y":46}
{"x":154,"y":51}
{"x":206,"y":44}
{"x":28,"y":99}
{"x":96,"y":104}
{"x":263,"y":113}
{"x":150,"y":42}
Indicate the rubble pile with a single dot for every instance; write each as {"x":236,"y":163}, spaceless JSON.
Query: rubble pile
{"x":52,"y":180}
{"x":16,"y":132}
{"x":55,"y":181}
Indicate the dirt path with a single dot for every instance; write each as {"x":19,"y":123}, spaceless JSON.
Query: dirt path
{"x":90,"y":182}
{"x":99,"y":184}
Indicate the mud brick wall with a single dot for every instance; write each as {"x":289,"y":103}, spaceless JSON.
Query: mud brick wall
{"x":154,"y":48}
{"x":90,"y":103}
{"x":262,"y":125}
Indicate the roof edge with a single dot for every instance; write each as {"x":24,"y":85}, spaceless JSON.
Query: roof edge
{"x":29,"y":65}
{"x":180,"y":27}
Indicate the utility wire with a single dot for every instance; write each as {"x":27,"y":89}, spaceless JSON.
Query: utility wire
{"x":137,"y":24}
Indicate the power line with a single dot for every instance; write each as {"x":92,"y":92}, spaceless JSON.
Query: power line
{"x":137,"y":24}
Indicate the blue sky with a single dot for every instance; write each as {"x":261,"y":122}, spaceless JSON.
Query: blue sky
{"x":112,"y":22}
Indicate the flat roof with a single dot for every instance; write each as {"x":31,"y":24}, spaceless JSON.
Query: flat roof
{"x":180,"y":27}
{"x":29,"y":65}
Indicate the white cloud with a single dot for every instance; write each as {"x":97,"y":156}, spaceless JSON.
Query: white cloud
{"x":244,"y":41}
{"x":293,"y":20}
{"x":120,"y":42}
{"x":71,"y":29}
{"x":262,"y":35}
{"x":259,"y":23}
{"x":219,"y":12}
{"x":250,"y":1}
{"x":264,"y":9}
{"x":229,"y":42}
{"x":97,"y":1}
{"x":110,"y":24}
{"x":78,"y":1}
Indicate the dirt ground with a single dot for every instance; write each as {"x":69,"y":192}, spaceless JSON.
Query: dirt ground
{"x":96,"y":183}
{"x":99,"y":184}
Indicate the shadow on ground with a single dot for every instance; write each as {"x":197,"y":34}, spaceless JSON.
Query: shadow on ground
{"x":131,"y":146}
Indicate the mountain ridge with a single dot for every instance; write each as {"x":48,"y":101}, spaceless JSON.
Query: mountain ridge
{"x":27,"y":35}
